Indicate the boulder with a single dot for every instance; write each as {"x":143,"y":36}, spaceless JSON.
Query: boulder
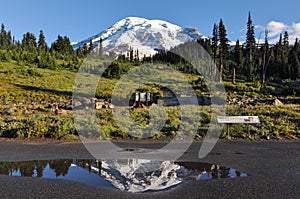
{"x":100,"y":105}
{"x":111,"y":106}
{"x":277,"y":102}
{"x":7,"y":111}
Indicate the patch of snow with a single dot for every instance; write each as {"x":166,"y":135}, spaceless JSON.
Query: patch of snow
{"x":139,"y":175}
{"x":142,"y":34}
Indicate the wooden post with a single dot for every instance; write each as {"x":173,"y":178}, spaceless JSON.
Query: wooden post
{"x":228,"y":133}
{"x":233,"y":75}
{"x":249,"y":135}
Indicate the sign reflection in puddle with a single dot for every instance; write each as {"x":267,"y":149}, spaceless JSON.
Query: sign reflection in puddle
{"x":133,"y":175}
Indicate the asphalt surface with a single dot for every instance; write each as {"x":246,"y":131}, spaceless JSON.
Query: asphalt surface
{"x":273,"y":168}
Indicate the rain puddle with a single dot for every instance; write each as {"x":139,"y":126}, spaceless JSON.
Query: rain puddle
{"x":132,"y":175}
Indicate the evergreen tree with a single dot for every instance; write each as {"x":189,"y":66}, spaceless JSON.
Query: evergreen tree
{"x":5,"y":38}
{"x":131,"y":54}
{"x":137,"y":57}
{"x":223,"y":48}
{"x":238,"y":58}
{"x":67,"y":45}
{"x":284,"y":56}
{"x":294,"y":61}
{"x":206,"y":43}
{"x":214,"y":46}
{"x":9,"y":41}
{"x":266,"y":59}
{"x":62,"y":45}
{"x":85,"y":49}
{"x":277,"y":71}
{"x":42,"y":45}
{"x":29,"y":42}
{"x":79,"y":52}
{"x":91,"y":45}
{"x":101,"y":46}
{"x":46,"y":60}
{"x":58,"y":45}
{"x":2,"y":36}
{"x":250,"y":49}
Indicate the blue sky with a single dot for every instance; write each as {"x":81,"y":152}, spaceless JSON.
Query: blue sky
{"x":81,"y":19}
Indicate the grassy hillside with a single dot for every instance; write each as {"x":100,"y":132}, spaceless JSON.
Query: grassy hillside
{"x":28,"y":91}
{"x":23,"y":83}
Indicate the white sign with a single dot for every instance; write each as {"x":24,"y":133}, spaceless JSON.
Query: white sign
{"x":148,"y":97}
{"x":142,"y":97}
{"x":238,"y":119}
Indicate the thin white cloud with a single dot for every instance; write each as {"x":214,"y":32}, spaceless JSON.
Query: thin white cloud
{"x":296,"y":27}
{"x":259,"y":27}
{"x":294,"y":31}
{"x":275,"y":28}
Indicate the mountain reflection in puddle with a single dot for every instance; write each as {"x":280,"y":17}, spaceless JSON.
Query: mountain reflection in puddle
{"x":133,"y":175}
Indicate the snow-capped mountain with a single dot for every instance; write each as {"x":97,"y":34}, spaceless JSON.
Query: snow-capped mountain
{"x":146,"y":36}
{"x":141,"y":175}
{"x":137,"y":175}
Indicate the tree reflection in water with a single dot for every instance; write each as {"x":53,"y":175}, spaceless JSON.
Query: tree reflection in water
{"x":59,"y":167}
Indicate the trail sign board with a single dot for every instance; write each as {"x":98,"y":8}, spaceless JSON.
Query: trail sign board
{"x":238,"y":119}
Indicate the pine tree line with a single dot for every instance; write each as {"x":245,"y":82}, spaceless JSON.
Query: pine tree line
{"x":32,"y":50}
{"x":253,"y":61}
{"x":250,"y":61}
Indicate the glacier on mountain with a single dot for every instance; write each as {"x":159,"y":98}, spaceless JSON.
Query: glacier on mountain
{"x":146,"y":36}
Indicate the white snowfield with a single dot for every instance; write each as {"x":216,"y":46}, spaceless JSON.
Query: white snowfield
{"x":142,"y":175}
{"x":138,"y":175}
{"x":146,"y":36}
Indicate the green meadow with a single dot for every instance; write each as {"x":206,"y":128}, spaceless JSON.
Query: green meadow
{"x":29,"y":91}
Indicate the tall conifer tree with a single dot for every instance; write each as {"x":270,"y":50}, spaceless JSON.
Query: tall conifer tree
{"x":250,"y":49}
{"x":266,"y":59}
{"x":223,"y":48}
{"x":284,"y":56}
{"x":294,"y":61}
{"x":238,"y":58}
{"x":215,"y":42}
{"x":42,"y":45}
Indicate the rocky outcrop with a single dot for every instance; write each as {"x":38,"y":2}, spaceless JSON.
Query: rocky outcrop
{"x":253,"y":102}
